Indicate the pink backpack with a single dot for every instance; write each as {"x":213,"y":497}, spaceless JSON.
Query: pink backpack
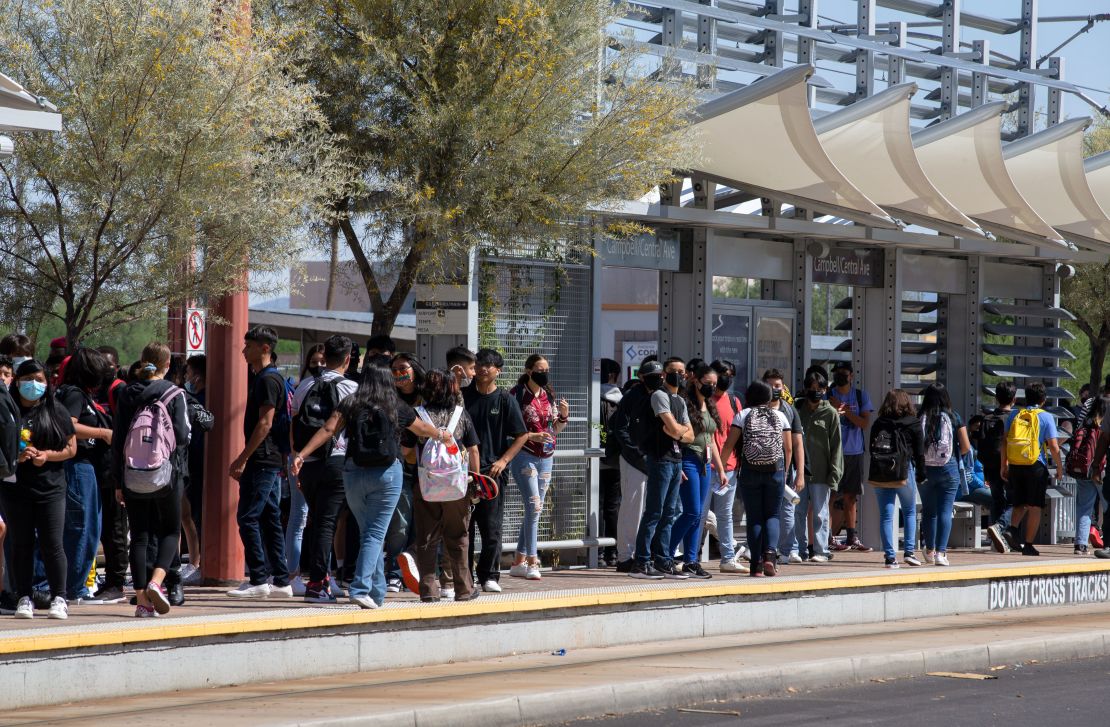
{"x":149,"y":446}
{"x":442,"y":475}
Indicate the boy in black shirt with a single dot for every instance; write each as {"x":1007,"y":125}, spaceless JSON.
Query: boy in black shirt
{"x":258,"y":470}
{"x":501,"y":434}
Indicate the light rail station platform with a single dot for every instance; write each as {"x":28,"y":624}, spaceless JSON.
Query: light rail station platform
{"x":216,"y":641}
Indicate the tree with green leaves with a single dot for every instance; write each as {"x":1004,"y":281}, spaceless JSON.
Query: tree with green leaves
{"x":480,"y":124}
{"x":1087,"y":293}
{"x":189,"y":148}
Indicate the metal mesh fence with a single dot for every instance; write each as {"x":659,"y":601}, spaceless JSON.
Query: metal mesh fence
{"x":528,"y":308}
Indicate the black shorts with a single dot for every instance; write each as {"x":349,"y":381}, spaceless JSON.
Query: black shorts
{"x":852,"y":481}
{"x":1028,"y":484}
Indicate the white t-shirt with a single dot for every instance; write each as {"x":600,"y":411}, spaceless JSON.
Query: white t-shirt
{"x":742,"y":417}
{"x":346,"y":387}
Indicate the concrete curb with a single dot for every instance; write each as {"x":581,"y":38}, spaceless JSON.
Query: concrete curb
{"x":554,"y":707}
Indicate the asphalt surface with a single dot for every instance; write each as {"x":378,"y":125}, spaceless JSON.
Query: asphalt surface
{"x":1030,"y":695}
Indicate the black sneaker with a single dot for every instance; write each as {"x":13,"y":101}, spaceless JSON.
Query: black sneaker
{"x":109,"y":594}
{"x":1080,"y":550}
{"x":41,"y":599}
{"x":473,"y":595}
{"x":8,"y":603}
{"x":176,"y":594}
{"x":1010,"y":534}
{"x":673,"y":573}
{"x":644,"y":571}
{"x":694,"y":570}
{"x":625,"y":566}
{"x":1028,"y":549}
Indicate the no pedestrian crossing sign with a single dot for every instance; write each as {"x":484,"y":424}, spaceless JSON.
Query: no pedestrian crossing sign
{"x":196,"y":335}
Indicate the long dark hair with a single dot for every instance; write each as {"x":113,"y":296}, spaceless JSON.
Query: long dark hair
{"x":418,"y":373}
{"x":690,"y":394}
{"x":935,"y":403}
{"x":1097,"y":412}
{"x":441,"y":390}
{"x":375,"y":391}
{"x":316,"y":348}
{"x":87,"y":369}
{"x":43,"y":419}
{"x":529,"y":363}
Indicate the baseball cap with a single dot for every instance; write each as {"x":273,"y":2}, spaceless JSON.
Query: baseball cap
{"x":842,"y":366}
{"x":650,"y":368}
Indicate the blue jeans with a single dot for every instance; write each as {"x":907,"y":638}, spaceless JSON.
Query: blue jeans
{"x":294,"y":529}
{"x":372,"y":495}
{"x":1086,"y":495}
{"x":937,"y":496}
{"x":532,"y":475}
{"x":787,"y":542}
{"x":259,"y":518}
{"x":661,"y":509}
{"x":694,"y":494}
{"x":906,"y":497}
{"x":818,"y":494}
{"x":81,"y":533}
{"x":722,"y":507}
{"x":762,"y":493}
{"x":401,"y":534}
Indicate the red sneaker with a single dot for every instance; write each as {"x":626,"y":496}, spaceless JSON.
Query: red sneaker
{"x":838,"y":546}
{"x":1096,"y":537}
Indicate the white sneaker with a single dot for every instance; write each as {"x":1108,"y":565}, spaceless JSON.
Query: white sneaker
{"x":930,"y":557}
{"x":298,"y":586}
{"x":246,"y":590}
{"x":742,"y":552}
{"x":819,"y":559}
{"x":285,"y":591}
{"x":363,"y":602}
{"x":533,"y":573}
{"x":58,"y":609}
{"x":447,"y":594}
{"x":733,"y":566}
{"x":520,"y":570}
{"x":783,"y":560}
{"x":942,"y":559}
{"x":25,"y":608}
{"x":491,"y":587}
{"x":795,"y":558}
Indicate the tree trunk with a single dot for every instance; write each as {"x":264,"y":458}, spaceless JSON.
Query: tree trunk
{"x":333,"y":266}
{"x":1099,"y":347}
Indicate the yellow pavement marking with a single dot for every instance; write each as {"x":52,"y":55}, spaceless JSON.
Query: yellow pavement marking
{"x":114,"y":635}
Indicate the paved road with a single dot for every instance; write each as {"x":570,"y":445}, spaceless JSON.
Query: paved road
{"x":1035,"y":695}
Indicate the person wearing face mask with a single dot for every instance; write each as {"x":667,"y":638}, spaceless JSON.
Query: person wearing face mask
{"x":7,"y":371}
{"x":545,"y":420}
{"x":320,"y":479}
{"x":400,"y":564}
{"x":502,"y":433}
{"x":201,"y":422}
{"x":625,"y":429}
{"x":699,"y":478}
{"x":663,"y":435}
{"x":854,"y":407}
{"x":727,"y":508}
{"x":18,"y":348}
{"x":825,"y":462}
{"x":34,"y":501}
{"x":793,"y":469}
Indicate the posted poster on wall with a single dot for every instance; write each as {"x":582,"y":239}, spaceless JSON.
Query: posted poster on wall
{"x":633,"y":354}
{"x":731,"y":341}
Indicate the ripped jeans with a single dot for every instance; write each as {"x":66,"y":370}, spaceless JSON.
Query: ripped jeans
{"x":532,"y":475}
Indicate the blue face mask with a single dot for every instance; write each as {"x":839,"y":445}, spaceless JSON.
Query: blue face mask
{"x":32,"y":390}
{"x":190,"y":387}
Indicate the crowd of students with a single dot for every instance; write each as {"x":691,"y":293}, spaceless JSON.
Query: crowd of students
{"x":359,"y":482}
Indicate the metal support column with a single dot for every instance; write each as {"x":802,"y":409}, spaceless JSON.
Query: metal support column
{"x":949,"y":77}
{"x":1055,"y":95}
{"x":684,"y":296}
{"x":593,"y":498}
{"x":803,"y":322}
{"x":707,"y":43}
{"x":773,"y":45}
{"x":974,"y":333}
{"x":1050,"y":297}
{"x":865,"y":60}
{"x":807,"y":47}
{"x":671,"y":37}
{"x":1027,"y":60}
{"x":896,"y":67}
{"x":979,"y":80}
{"x":960,"y":323}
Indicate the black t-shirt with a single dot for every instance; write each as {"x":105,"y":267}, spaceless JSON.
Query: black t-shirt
{"x":50,"y":479}
{"x":497,"y":420}
{"x":264,"y":390}
{"x":411,"y":399}
{"x":80,"y":407}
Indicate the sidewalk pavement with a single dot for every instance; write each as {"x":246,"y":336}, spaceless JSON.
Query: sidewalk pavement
{"x":551,"y":689}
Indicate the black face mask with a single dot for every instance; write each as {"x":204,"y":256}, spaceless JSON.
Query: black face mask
{"x":776,"y":394}
{"x":674,"y":378}
{"x":706,"y":390}
{"x":653,"y":382}
{"x":813,"y":396}
{"x":840,"y":379}
{"x":317,"y":370}
{"x":539,"y":378}
{"x":723,"y":383}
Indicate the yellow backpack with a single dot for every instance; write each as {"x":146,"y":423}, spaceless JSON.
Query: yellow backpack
{"x":1023,"y":441}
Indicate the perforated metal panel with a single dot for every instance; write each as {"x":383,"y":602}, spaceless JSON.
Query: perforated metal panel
{"x":527,"y":307}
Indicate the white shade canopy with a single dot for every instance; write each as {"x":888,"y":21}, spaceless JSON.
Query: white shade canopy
{"x":1047,"y":168}
{"x":870,"y":143}
{"x":761,"y":138}
{"x":22,"y":111}
{"x":963,"y":159}
{"x":1098,"y":178}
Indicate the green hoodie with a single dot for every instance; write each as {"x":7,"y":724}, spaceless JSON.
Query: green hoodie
{"x":824,"y":452}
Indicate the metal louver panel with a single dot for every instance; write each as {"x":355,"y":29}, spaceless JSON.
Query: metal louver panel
{"x":1033,"y":311}
{"x":1027,"y":372}
{"x":998,"y":349}
{"x":1005,"y":329}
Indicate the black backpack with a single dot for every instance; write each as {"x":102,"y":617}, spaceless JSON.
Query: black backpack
{"x":371,"y":439}
{"x":608,"y":418}
{"x":992,"y":437}
{"x":890,"y":454}
{"x":317,"y":407}
{"x":10,"y":421}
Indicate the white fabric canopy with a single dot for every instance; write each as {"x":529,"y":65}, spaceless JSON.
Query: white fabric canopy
{"x":870,"y":143}
{"x":761,"y":138}
{"x":1098,"y":178}
{"x":1047,"y":168}
{"x":22,"y":111}
{"x":963,"y":159}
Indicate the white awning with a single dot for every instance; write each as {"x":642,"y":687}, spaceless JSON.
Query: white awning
{"x":870,"y":143}
{"x":760,"y":138}
{"x":1098,"y":178}
{"x":963,"y":159}
{"x":22,"y":111}
{"x":1047,"y":168}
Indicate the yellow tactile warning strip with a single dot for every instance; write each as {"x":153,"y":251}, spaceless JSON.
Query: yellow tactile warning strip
{"x":277,"y":620}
